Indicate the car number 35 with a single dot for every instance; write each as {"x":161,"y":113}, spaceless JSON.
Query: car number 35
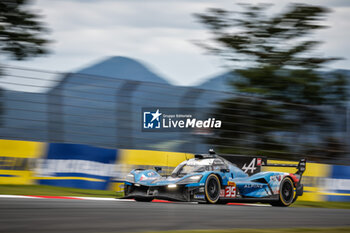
{"x":229,"y":191}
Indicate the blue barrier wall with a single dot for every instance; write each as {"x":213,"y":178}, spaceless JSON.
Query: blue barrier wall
{"x":77,"y":166}
{"x":338,"y":185}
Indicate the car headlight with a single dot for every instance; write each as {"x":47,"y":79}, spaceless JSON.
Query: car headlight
{"x":191,"y":179}
{"x":130,"y":178}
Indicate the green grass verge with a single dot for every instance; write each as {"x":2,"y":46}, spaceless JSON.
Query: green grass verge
{"x":322,"y":204}
{"x":45,"y":190}
{"x":284,"y":230}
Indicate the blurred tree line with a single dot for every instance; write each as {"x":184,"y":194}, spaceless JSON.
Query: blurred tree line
{"x":22,"y":34}
{"x":284,"y":106}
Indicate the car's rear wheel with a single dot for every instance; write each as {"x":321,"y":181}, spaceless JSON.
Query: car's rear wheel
{"x":212,"y":189}
{"x":143,"y":199}
{"x":286,"y":195}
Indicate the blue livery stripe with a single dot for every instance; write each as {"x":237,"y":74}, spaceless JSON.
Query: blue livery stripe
{"x":6,"y":175}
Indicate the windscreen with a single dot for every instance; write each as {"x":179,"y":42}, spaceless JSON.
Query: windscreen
{"x":193,"y":166}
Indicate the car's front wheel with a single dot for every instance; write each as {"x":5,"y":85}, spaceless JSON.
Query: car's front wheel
{"x":286,"y":195}
{"x":212,"y":189}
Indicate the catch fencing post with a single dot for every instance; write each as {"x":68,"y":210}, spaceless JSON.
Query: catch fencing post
{"x":189,"y":100}
{"x":124,"y":114}
{"x":55,"y":112}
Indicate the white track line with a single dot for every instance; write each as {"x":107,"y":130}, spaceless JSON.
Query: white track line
{"x":16,"y":196}
{"x":108,"y":199}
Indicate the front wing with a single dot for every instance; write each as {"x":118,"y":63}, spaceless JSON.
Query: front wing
{"x":179,"y":193}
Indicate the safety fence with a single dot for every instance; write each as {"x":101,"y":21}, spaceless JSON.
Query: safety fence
{"x":81,"y":108}
{"x":88,"y":167}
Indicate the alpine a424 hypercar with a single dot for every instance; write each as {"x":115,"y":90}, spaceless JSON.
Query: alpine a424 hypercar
{"x":209,"y":178}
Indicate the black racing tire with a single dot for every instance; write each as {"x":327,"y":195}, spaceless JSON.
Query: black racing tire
{"x":143,"y":199}
{"x":286,"y":195}
{"x":212,"y":189}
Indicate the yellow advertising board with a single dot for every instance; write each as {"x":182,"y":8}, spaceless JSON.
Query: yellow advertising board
{"x":152,"y":158}
{"x":17,"y":161}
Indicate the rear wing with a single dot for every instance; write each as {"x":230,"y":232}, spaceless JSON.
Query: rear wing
{"x":301,"y":166}
{"x":252,"y":164}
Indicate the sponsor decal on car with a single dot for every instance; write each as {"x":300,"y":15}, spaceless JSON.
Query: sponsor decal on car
{"x":231,"y":183}
{"x":230,"y":191}
{"x":143,"y":177}
{"x":275,"y":178}
{"x":151,"y":173}
{"x":222,"y":193}
{"x":258,"y":162}
{"x":199,"y":196}
{"x":253,"y":186}
{"x":251,"y":167}
{"x":218,"y":162}
{"x":199,"y":162}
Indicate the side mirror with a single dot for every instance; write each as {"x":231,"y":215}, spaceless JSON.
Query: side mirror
{"x":225,"y":170}
{"x":158,"y":169}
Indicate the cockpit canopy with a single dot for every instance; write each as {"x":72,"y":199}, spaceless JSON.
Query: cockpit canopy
{"x":200,"y":165}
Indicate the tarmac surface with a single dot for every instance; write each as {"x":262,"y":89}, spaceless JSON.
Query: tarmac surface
{"x":57,"y":215}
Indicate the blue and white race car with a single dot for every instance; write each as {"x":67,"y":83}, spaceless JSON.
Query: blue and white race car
{"x":209,"y":178}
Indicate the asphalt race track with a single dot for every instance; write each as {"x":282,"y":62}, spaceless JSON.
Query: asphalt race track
{"x":55,"y":215}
